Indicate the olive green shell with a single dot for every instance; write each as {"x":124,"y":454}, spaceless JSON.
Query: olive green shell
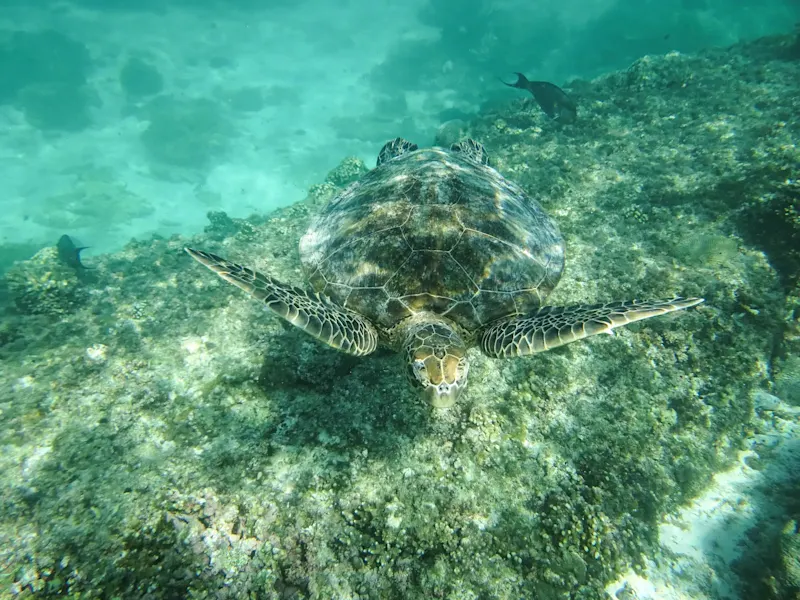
{"x":431,"y":230}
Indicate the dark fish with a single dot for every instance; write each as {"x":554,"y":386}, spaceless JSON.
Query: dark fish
{"x":554,"y":102}
{"x":69,"y":253}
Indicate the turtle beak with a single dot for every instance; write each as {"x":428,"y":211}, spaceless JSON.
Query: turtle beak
{"x":443,"y":395}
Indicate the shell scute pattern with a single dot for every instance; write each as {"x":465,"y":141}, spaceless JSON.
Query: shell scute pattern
{"x":433,"y":231}
{"x":434,"y":227}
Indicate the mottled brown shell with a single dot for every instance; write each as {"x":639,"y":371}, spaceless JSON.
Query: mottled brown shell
{"x":433,"y":231}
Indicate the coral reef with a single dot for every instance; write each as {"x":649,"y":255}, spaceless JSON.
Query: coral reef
{"x":44,"y":285}
{"x":772,"y":220}
{"x":167,"y":437}
{"x":790,"y":555}
{"x":222,"y":226}
{"x":787,"y":379}
{"x":346,"y":172}
{"x":450,"y":132}
{"x":770,"y":565}
{"x":320,"y":193}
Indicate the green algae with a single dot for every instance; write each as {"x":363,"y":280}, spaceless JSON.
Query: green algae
{"x":168,"y":438}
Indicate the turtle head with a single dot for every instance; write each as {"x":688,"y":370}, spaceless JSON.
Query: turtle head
{"x":437,"y":362}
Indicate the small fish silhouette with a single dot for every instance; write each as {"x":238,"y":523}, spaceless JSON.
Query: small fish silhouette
{"x":554,"y":102}
{"x":70,"y":254}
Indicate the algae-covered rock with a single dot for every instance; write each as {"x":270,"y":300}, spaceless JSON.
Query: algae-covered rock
{"x":140,"y":79}
{"x":44,"y":285}
{"x":790,"y":555}
{"x":772,"y":220}
{"x":319,"y":193}
{"x":177,"y":441}
{"x":347,"y":171}
{"x":222,"y":226}
{"x":787,"y":379}
{"x":769,"y":567}
{"x":450,"y":132}
{"x":707,"y":250}
{"x":185,"y":133}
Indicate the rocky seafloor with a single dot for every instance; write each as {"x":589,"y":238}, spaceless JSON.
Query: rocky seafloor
{"x":165,"y":437}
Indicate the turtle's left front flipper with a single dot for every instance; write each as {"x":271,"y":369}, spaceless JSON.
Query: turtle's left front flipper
{"x":314,"y":313}
{"x":554,"y":326}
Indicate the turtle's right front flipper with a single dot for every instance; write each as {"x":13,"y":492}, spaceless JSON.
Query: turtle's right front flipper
{"x":314,"y":313}
{"x":554,"y":326}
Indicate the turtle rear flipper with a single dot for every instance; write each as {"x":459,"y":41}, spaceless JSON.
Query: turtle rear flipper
{"x":473,"y":150}
{"x":554,"y":326}
{"x":314,"y":313}
{"x":394,"y":148}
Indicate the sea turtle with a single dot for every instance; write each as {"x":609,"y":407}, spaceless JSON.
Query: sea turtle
{"x":430,"y":253}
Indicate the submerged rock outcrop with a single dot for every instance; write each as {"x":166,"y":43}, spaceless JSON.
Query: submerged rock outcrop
{"x":166,"y":437}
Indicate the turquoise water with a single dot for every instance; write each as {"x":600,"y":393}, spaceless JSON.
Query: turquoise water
{"x":183,"y":108}
{"x":164,"y":436}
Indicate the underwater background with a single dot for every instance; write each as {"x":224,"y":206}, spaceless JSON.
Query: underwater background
{"x":165,"y":437}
